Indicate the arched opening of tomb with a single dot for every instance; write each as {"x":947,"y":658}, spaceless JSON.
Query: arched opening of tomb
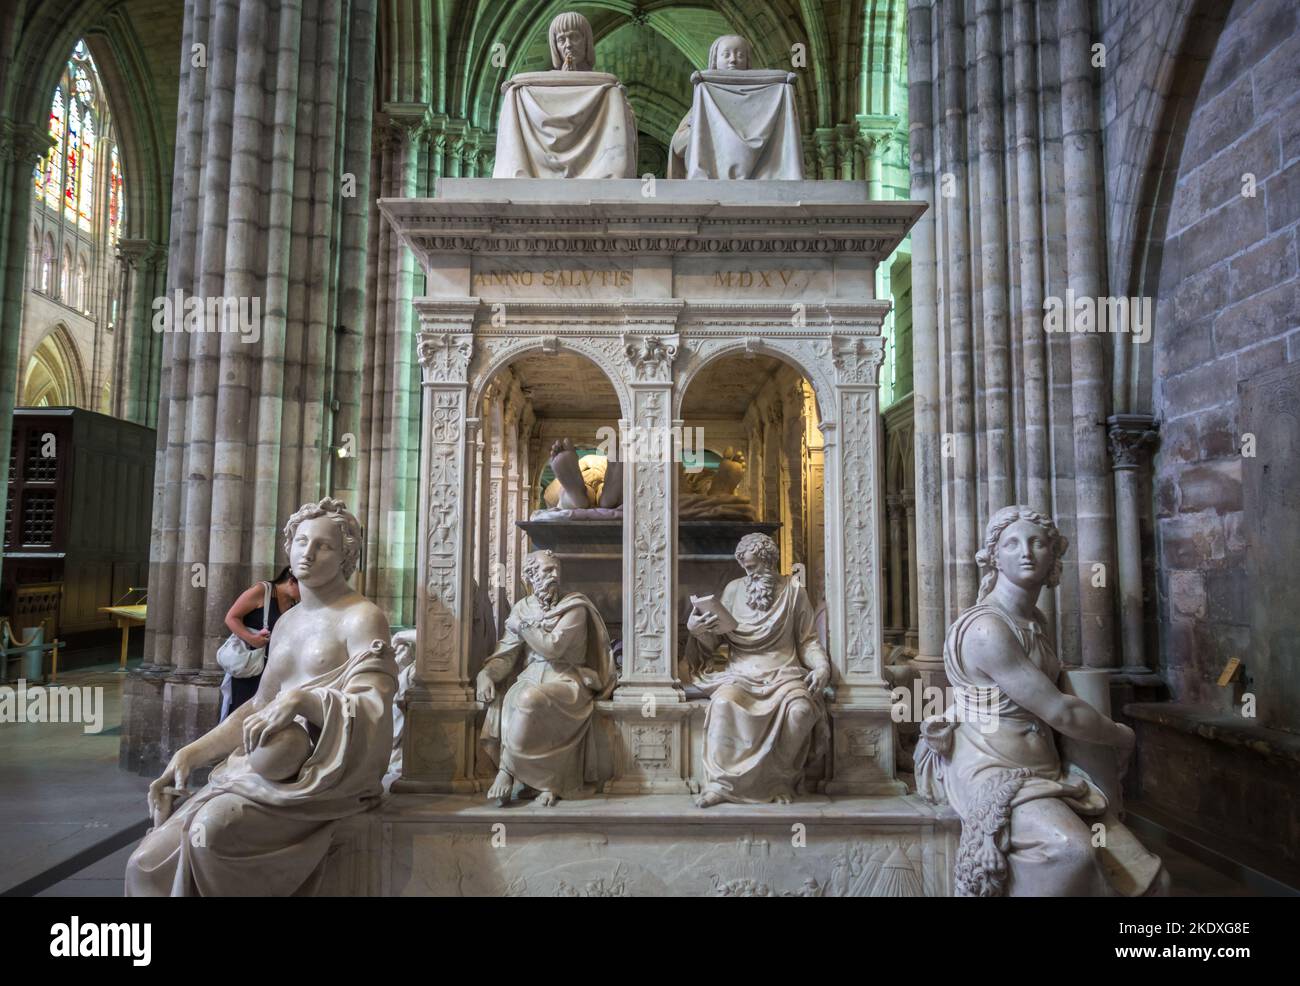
{"x":544,"y":479}
{"x":754,"y":462}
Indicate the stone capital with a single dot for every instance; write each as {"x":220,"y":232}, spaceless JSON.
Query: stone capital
{"x":23,"y":143}
{"x":1132,"y":439}
{"x":857,"y":359}
{"x":652,"y":356}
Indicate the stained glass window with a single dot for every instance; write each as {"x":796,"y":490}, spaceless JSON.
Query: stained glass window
{"x":71,"y":175}
{"x":86,"y":180}
{"x":49,"y":173}
{"x":115,"y":196}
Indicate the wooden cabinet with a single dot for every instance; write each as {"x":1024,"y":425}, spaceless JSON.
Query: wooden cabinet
{"x":77,"y":519}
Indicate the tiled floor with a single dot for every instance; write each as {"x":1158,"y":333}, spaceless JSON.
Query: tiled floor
{"x":61,"y":791}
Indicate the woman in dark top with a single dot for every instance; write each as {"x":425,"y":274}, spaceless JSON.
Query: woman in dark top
{"x":245,"y":621}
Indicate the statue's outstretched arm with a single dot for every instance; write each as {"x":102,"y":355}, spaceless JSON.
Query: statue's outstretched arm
{"x":990,"y":645}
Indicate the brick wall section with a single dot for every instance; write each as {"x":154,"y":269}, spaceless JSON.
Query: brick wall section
{"x":1227,"y":311}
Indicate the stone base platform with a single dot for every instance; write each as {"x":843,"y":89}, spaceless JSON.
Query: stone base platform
{"x":644,"y":846}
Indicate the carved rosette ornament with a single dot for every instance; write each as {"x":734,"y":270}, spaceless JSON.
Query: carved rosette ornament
{"x":1132,"y":439}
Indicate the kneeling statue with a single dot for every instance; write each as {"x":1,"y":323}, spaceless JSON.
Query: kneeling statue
{"x":766,"y":719}
{"x":310,"y":748}
{"x":538,"y":726}
{"x":993,"y":754}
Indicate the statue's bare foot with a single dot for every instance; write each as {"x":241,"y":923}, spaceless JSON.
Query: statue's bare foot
{"x":564,"y":463}
{"x":707,"y":799}
{"x":611,"y":494}
{"x":500,"y":789}
{"x":783,"y":799}
{"x":546,"y":798}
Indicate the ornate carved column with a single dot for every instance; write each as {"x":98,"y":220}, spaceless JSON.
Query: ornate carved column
{"x":439,"y":740}
{"x":862,"y":727}
{"x":1132,"y":438}
{"x":649,"y":704}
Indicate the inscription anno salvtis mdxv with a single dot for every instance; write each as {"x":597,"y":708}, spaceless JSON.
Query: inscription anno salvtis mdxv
{"x":553,"y":278}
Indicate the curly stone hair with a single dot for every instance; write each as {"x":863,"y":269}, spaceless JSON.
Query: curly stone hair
{"x":349,"y":528}
{"x":986,"y":558}
{"x":531,"y":563}
{"x":761,"y":545}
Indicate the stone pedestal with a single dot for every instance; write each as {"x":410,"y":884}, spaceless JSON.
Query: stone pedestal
{"x":646,"y":846}
{"x":651,"y":283}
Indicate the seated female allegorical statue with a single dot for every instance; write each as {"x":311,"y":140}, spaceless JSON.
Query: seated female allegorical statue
{"x":1033,"y":824}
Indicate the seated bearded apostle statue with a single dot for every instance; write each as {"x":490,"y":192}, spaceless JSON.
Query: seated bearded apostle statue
{"x":1027,"y":816}
{"x":310,"y":748}
{"x":570,"y":122}
{"x":766,"y":719}
{"x":538,"y":726}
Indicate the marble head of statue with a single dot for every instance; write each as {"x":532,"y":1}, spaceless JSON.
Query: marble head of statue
{"x":573,"y":45}
{"x":730,"y":51}
{"x":1002,"y":555}
{"x":349,"y":532}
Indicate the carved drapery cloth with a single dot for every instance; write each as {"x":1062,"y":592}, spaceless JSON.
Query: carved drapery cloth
{"x":565,"y":125}
{"x":744,"y":124}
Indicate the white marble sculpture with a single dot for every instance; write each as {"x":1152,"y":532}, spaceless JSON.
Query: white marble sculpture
{"x":568,"y":123}
{"x":743,"y":123}
{"x":538,"y":726}
{"x":766,"y":719}
{"x":586,"y":488}
{"x":1028,"y":818}
{"x":309,"y":749}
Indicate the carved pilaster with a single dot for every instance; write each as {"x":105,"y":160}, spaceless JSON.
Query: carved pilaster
{"x":863,"y":731}
{"x":648,"y":712}
{"x":438,"y":753}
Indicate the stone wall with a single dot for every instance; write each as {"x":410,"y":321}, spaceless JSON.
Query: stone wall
{"x":1227,"y":313}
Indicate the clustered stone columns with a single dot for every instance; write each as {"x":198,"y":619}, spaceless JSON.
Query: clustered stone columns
{"x":269,"y":212}
{"x":1002,"y":114}
{"x":143,"y":277}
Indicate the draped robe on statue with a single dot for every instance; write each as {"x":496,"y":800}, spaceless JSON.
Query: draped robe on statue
{"x":243,"y":835}
{"x":1021,"y":806}
{"x":565,"y":125}
{"x":538,"y":729}
{"x":763,"y":725}
{"x":743,"y":124}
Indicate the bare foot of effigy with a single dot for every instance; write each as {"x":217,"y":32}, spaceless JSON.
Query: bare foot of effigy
{"x":500,"y":789}
{"x":564,"y":463}
{"x":611,"y":494}
{"x":707,"y":799}
{"x":783,"y":799}
{"x":546,"y":798}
